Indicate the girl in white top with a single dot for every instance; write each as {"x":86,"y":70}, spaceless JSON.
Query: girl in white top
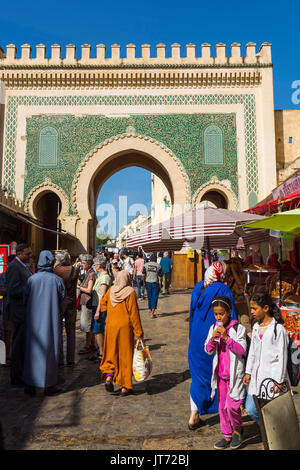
{"x":267,"y":356}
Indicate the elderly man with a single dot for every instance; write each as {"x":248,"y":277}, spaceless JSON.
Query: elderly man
{"x":102,"y":284}
{"x":44,"y":294}
{"x":16,"y":276}
{"x":69,"y":275}
{"x":117,"y":258}
{"x":86,"y":290}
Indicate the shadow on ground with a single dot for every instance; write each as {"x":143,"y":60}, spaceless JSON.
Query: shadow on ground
{"x":162,"y":382}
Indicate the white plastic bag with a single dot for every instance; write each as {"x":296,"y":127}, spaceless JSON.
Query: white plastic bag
{"x":142,"y":363}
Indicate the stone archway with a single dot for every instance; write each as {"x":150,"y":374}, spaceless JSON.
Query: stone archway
{"x":113,"y":155}
{"x":48,"y":204}
{"x":223,"y":188}
{"x":39,"y":191}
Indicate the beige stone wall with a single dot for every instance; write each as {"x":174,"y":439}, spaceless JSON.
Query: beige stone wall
{"x":159,"y":211}
{"x":287,"y":126}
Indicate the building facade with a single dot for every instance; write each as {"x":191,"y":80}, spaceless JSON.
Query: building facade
{"x":287,"y":132}
{"x":202,"y":123}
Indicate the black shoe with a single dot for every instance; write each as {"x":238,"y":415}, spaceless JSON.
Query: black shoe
{"x":124,"y":394}
{"x":49,"y":391}
{"x":236,"y":441}
{"x":193,"y":427}
{"x":29,"y":390}
{"x":94,"y":357}
{"x":222,"y":444}
{"x":17,"y":383}
{"x":109,"y":386}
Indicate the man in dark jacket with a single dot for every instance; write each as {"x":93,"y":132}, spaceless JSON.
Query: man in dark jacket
{"x":69,"y":275}
{"x":7,"y":324}
{"x":16,"y":276}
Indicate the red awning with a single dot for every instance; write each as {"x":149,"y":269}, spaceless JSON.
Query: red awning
{"x":289,"y":202}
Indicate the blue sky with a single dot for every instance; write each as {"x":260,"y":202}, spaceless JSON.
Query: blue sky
{"x":152,"y":22}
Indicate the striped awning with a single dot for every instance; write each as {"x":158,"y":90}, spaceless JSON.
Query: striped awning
{"x":205,"y":227}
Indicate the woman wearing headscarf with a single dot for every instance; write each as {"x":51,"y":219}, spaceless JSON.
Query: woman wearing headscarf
{"x":122,"y":323}
{"x":200,"y":363}
{"x":44,"y":293}
{"x":236,"y":281}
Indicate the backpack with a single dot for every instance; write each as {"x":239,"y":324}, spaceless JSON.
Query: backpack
{"x":248,"y":341}
{"x":293,"y":361}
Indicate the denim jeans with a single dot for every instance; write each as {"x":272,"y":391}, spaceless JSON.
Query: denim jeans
{"x":251,"y":408}
{"x":140,"y":286}
{"x":152,"y":293}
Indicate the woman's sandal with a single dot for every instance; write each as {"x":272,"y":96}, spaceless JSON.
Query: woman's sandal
{"x":193,"y":427}
{"x":125,"y":394}
{"x":109,"y":386}
{"x":85,"y":350}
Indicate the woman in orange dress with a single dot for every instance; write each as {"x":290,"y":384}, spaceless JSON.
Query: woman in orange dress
{"x":122,"y":323}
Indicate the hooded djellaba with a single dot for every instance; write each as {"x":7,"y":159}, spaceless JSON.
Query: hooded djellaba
{"x":201,"y":319}
{"x":44,"y":293}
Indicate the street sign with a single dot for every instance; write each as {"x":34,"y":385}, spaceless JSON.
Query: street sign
{"x":4,"y":253}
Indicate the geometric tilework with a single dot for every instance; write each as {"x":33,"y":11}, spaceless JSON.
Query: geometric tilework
{"x":247,"y":100}
{"x":182,"y":134}
{"x":48,"y":146}
{"x":213,"y":146}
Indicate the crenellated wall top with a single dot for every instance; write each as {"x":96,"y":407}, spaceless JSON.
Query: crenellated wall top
{"x":112,"y":58}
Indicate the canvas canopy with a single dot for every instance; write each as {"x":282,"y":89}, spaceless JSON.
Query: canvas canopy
{"x":205,"y":227}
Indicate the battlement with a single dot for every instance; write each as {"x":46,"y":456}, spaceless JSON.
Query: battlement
{"x":101,"y":58}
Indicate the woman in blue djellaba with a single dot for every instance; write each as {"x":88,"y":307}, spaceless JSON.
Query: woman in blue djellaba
{"x":201,"y":319}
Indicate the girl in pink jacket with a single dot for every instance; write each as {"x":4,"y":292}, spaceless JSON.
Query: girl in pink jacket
{"x":227,"y":340}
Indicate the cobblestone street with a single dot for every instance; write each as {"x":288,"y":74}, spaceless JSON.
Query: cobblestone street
{"x":86,"y":417}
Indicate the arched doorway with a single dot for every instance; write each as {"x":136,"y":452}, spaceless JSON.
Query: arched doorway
{"x":117,"y":154}
{"x":47,"y":211}
{"x":216,"y":198}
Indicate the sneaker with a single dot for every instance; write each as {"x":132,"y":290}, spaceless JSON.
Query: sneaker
{"x":236,"y":441}
{"x":222,"y":444}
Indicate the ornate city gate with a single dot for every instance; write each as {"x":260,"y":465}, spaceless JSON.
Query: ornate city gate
{"x":204,"y":125}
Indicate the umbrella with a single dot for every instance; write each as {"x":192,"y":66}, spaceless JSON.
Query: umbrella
{"x":288,"y":221}
{"x":205,"y":227}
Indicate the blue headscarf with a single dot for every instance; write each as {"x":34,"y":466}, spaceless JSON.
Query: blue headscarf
{"x":46,"y":261}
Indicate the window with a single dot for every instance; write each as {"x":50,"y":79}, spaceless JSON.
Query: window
{"x":213,"y":146}
{"x":48,"y":147}
{"x":290,"y":140}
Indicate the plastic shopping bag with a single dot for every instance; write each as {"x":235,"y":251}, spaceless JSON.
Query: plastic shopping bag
{"x":142,"y":363}
{"x":2,"y":352}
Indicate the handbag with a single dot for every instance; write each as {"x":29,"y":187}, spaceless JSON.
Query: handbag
{"x":89,"y":303}
{"x":142,"y":363}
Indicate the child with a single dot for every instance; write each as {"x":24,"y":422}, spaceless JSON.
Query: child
{"x":267,"y":356}
{"x":229,"y":343}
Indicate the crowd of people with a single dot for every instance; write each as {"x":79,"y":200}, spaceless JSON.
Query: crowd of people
{"x":39,"y":303}
{"x":235,"y":340}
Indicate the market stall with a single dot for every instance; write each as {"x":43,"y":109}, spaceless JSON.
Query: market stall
{"x":285,"y":287}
